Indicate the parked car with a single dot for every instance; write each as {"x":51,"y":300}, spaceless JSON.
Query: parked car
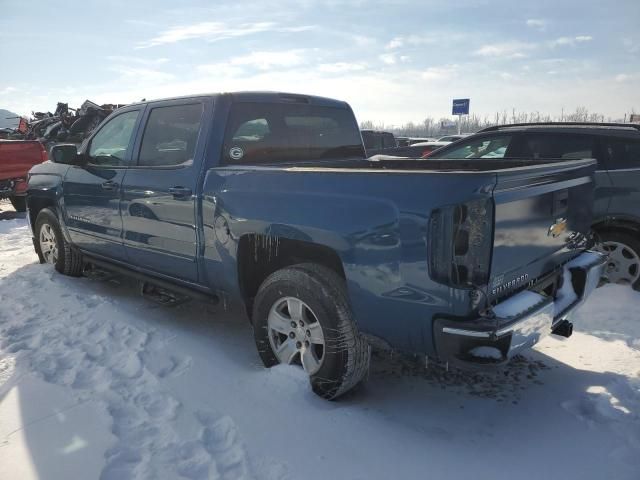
{"x":376,"y":142}
{"x":268,"y":199}
{"x":417,"y":150}
{"x":617,"y":197}
{"x":407,"y":141}
{"x":16,"y":158}
{"x":403,"y":141}
{"x":453,"y":138}
{"x":414,"y":140}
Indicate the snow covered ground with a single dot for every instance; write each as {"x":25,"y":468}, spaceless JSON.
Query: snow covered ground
{"x":97,"y":382}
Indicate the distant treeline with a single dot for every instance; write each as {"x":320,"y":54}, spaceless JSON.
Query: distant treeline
{"x":431,"y":127}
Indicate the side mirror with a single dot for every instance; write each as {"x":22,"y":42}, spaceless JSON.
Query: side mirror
{"x":66,"y":154}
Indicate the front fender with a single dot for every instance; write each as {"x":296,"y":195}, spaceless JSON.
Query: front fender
{"x":44,"y":190}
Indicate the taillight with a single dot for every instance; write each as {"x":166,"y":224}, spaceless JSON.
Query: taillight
{"x":43,"y":153}
{"x":460,"y":242}
{"x":426,"y":153}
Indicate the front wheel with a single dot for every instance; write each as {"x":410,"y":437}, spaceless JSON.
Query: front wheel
{"x":623,"y":263}
{"x":301,"y":316}
{"x":52,"y":247}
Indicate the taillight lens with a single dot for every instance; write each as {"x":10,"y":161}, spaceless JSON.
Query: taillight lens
{"x":460,"y":242}
{"x":426,"y":153}
{"x":43,"y":153}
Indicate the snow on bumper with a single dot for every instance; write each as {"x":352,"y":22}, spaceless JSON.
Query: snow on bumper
{"x":521,"y":320}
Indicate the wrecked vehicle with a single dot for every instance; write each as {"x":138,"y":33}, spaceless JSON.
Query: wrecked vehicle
{"x":268,"y":199}
{"x":65,"y":124}
{"x":16,"y":158}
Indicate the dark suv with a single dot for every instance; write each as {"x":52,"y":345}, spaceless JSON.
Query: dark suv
{"x":376,"y":142}
{"x":617,"y":196}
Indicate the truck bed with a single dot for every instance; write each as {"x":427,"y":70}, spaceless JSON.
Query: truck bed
{"x":385,"y":162}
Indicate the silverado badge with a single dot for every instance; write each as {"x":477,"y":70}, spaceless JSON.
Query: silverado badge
{"x":558,"y":228}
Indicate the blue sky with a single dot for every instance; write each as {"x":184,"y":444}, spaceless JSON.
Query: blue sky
{"x":394,"y":61}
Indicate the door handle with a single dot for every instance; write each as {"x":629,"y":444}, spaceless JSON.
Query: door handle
{"x":180,"y":192}
{"x":110,"y":185}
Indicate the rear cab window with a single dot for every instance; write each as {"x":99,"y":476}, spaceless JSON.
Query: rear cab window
{"x":262,"y":133}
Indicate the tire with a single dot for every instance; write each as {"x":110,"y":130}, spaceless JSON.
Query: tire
{"x":19,"y":203}
{"x":342,"y":359}
{"x":52,"y":247}
{"x":624,"y":262}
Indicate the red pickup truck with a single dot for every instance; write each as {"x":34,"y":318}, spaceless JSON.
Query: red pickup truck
{"x":16,"y":159}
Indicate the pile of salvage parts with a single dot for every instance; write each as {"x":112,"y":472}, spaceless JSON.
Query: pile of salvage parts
{"x":66,"y":124}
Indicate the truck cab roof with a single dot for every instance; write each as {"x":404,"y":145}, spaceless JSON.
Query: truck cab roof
{"x":261,"y":97}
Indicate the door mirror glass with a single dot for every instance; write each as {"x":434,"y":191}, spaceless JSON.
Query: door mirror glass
{"x":66,"y":154}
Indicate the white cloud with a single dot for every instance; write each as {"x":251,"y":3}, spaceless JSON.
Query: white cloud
{"x":537,"y":23}
{"x":266,"y":60}
{"x":505,"y":50}
{"x":141,"y":74}
{"x":392,"y":58}
{"x":414,"y":41}
{"x":570,"y":41}
{"x":341,"y":67}
{"x":137,"y":60}
{"x":260,"y":60}
{"x":388,"y":58}
{"x":396,"y":42}
{"x":632,"y":46}
{"x":215,"y":31}
{"x":7,"y":90}
{"x":444,"y":72}
{"x":220,"y":69}
{"x":626,"y":77}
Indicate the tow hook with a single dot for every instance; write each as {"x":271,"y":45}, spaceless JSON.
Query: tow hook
{"x":564,"y":329}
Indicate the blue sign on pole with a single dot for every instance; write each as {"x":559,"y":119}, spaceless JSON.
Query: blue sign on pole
{"x":460,"y":106}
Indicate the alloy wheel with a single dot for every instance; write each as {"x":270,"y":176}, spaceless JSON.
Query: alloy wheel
{"x":48,"y":244}
{"x":295,"y":334}
{"x":623,"y":264}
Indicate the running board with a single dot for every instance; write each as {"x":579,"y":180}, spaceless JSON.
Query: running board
{"x":152,"y":287}
{"x":162,"y":296}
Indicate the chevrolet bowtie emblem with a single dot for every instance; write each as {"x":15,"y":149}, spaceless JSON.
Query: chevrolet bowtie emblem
{"x":558,"y":228}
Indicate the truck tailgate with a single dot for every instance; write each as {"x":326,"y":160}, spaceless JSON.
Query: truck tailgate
{"x":18,"y":156}
{"x":540,"y":213}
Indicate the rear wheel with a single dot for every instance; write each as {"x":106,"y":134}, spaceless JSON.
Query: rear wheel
{"x":52,"y":247}
{"x":623,"y":252}
{"x":19,"y":203}
{"x":301,"y":316}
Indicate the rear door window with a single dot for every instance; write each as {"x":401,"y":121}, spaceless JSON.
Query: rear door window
{"x":170,"y":136}
{"x":483,"y":147}
{"x":388,"y":140}
{"x":272,"y":132}
{"x":372,"y":140}
{"x":622,"y":153}
{"x":557,"y":146}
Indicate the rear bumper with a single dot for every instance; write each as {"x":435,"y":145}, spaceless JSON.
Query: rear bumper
{"x":521,"y":321}
{"x":12,"y":186}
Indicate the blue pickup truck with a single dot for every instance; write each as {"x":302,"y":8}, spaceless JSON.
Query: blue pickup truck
{"x":268,"y":199}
